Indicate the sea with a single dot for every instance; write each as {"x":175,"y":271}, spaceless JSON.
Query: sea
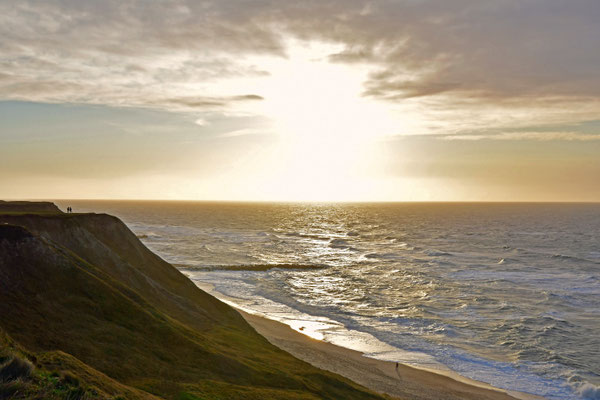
{"x":502,"y":293}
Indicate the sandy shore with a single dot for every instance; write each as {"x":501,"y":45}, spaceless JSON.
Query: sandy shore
{"x":402,"y":382}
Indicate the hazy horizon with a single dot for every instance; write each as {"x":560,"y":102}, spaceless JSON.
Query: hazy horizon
{"x":313,"y":202}
{"x":329,"y":101}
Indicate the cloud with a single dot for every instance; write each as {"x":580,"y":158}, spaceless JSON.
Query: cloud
{"x":120,"y":54}
{"x":243,"y":132}
{"x":482,"y":49}
{"x":201,"y":122}
{"x":528,"y":135}
{"x":198,"y":102}
{"x":247,"y":97}
{"x":452,"y":60}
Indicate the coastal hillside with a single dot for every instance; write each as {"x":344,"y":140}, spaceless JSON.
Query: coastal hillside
{"x":87,"y":311}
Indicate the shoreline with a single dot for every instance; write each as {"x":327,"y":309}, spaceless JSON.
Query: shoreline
{"x":406,"y":383}
{"x":399,"y":381}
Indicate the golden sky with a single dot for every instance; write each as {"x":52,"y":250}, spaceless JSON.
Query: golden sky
{"x":336,"y":100}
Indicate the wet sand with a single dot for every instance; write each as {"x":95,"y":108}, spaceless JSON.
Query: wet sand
{"x":402,"y":381}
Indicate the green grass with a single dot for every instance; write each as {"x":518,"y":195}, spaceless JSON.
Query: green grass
{"x":38,"y":381}
{"x":103,"y":316}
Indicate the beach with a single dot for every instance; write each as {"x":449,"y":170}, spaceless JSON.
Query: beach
{"x":401,"y":382}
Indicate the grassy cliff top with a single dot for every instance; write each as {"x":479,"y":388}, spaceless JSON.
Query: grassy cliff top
{"x":22,"y":207}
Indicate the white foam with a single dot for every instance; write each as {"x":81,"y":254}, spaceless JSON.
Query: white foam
{"x":589,"y":391}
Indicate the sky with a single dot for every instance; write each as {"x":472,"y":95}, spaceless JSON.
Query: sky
{"x":277,"y":100}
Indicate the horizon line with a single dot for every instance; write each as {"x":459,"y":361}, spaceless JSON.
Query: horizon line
{"x":317,"y":201}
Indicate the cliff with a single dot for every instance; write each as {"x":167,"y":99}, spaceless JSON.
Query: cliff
{"x":95,"y":314}
{"x":28,"y":207}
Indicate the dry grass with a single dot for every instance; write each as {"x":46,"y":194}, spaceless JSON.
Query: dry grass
{"x":15,"y":368}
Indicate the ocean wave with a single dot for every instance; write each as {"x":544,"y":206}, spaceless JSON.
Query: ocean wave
{"x":148,"y":235}
{"x":437,"y":253}
{"x":384,"y":256}
{"x":408,"y":334}
{"x":589,"y":392}
{"x":252,"y":267}
{"x":594,"y":255}
{"x":572,"y":258}
{"x":307,"y":235}
{"x":340,"y":244}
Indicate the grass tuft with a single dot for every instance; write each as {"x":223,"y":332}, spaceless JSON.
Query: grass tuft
{"x":17,"y":368}
{"x":9,"y":390}
{"x":70,"y":379}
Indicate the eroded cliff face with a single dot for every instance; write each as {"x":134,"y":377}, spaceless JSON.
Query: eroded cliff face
{"x":85,"y":286}
{"x":107,"y":243}
{"x":52,"y":299}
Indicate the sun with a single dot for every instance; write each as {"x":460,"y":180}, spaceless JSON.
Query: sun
{"x":327,"y":127}
{"x":328,"y":132}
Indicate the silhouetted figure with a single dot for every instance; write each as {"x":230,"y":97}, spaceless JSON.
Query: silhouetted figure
{"x":398,"y":372}
{"x":69,"y":209}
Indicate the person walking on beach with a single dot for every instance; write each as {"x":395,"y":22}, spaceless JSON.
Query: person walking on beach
{"x":398,"y":372}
